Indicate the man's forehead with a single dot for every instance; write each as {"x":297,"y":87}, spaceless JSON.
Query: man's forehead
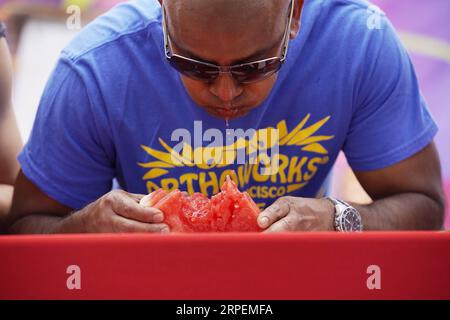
{"x":233,"y":8}
{"x":227,"y":25}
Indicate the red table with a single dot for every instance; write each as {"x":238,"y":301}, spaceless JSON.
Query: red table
{"x":227,"y":266}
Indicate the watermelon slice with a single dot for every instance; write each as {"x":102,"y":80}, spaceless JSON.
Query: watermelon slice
{"x":228,"y":211}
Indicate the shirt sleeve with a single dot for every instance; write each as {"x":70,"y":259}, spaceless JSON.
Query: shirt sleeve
{"x":390,"y":121}
{"x":66,"y":157}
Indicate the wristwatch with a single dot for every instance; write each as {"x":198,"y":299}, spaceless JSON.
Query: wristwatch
{"x":346,"y":218}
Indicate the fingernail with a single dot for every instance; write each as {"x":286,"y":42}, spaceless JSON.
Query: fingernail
{"x":165,"y":230}
{"x":263,"y":221}
{"x":158,"y":217}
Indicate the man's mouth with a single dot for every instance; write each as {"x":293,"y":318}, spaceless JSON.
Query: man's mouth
{"x":228,"y":113}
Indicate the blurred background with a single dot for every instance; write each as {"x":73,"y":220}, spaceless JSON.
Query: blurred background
{"x":37,"y":30}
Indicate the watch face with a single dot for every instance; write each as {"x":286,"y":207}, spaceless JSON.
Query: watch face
{"x":351,"y":220}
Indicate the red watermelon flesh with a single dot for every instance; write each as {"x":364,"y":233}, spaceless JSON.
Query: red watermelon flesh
{"x":228,"y":211}
{"x":171,"y":205}
{"x":243,"y":217}
{"x":196,"y":212}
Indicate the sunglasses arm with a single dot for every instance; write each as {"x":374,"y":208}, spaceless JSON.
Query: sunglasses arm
{"x":287,"y":33}
{"x":165,"y":33}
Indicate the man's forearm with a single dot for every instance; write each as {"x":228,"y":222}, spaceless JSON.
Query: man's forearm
{"x":407,"y":211}
{"x":44,"y":224}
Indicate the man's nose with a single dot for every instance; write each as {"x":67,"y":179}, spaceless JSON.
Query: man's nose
{"x":226,"y":88}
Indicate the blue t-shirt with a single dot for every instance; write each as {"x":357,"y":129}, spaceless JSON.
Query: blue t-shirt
{"x":112,"y":105}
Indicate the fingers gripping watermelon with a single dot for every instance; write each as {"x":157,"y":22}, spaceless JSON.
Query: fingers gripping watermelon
{"x":228,"y":211}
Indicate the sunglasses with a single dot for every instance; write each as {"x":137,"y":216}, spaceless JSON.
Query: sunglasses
{"x":243,"y":73}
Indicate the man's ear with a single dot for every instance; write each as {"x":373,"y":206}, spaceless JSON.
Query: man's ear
{"x":295,"y":27}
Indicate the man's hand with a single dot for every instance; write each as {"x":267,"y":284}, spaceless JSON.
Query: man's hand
{"x":116,"y":212}
{"x":406,"y":196}
{"x":298,"y":214}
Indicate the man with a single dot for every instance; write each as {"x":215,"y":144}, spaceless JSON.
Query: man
{"x":133,"y":88}
{"x":10,"y":142}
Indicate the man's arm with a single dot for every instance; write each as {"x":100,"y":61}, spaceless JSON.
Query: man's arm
{"x":33,"y":211}
{"x":10,"y":142}
{"x":407,"y":196}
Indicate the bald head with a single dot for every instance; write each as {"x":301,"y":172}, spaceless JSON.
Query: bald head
{"x":228,"y":15}
{"x":196,"y":22}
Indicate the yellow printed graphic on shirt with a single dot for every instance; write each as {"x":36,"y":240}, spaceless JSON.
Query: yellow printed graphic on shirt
{"x":205,"y":168}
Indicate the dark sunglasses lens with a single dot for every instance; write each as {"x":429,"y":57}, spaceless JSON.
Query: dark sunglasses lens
{"x":194,"y":70}
{"x":257,"y":71}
